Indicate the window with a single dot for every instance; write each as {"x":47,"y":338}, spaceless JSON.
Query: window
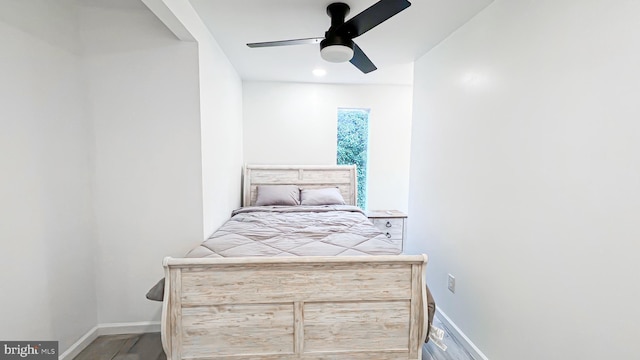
{"x":353,"y":143}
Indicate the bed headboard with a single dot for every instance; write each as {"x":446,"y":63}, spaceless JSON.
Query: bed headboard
{"x":306,"y":176}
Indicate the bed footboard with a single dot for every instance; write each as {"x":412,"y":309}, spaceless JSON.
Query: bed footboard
{"x":365,"y":307}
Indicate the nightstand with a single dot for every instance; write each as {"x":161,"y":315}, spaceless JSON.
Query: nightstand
{"x":392,"y":223}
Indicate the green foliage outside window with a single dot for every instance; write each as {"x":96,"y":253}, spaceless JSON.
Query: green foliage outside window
{"x":353,"y":140}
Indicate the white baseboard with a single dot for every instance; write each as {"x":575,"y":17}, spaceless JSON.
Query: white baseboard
{"x":109,"y":329}
{"x":460,"y":336}
{"x":79,"y":345}
{"x":129,"y":328}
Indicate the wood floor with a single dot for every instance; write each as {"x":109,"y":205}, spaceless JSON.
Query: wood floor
{"x":149,"y":347}
{"x":454,"y":351}
{"x":124,"y":347}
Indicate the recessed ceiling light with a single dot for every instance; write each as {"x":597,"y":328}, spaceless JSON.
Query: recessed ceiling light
{"x":319,"y":72}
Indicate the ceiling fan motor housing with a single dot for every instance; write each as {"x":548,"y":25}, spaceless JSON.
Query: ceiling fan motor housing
{"x":336,"y":47}
{"x":337,"y":12}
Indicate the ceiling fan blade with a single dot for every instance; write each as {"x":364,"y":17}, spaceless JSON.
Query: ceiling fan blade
{"x":372,"y":17}
{"x":286,"y":42}
{"x":361,"y":60}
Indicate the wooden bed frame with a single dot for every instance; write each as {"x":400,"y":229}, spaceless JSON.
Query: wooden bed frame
{"x":313,"y":307}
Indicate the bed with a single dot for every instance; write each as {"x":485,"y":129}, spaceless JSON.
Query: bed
{"x":306,"y":282}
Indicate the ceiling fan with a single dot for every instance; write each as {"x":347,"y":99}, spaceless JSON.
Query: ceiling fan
{"x":337,"y":44}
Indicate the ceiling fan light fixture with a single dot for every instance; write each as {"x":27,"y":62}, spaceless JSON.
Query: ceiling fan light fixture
{"x":336,"y":53}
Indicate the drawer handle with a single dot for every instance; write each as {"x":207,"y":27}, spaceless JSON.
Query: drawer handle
{"x":388,"y":224}
{"x":388,"y":236}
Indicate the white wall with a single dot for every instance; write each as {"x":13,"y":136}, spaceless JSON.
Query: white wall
{"x":168,"y":117}
{"x":525,"y":175}
{"x":295,"y":123}
{"x":144,"y":102}
{"x":222,"y":153}
{"x":104,"y":146}
{"x":221,"y":118}
{"x":47,"y":242}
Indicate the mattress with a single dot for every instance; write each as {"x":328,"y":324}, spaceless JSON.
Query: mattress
{"x":329,"y":230}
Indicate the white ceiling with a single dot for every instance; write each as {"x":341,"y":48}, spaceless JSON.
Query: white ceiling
{"x":392,"y":46}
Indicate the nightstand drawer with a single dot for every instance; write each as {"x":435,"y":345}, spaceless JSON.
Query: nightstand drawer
{"x":391,"y":223}
{"x":393,"y":228}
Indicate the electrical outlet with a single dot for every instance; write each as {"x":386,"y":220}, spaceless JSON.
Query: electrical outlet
{"x":451,"y":283}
